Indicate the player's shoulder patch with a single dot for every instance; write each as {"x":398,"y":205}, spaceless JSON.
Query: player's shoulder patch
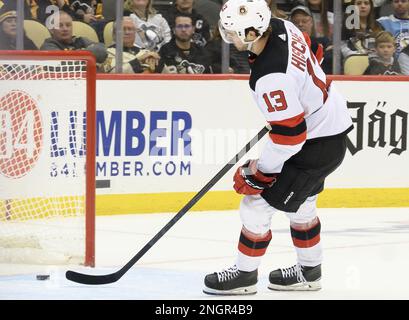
{"x":274,"y":58}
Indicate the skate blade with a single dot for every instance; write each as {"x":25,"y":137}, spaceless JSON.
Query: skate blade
{"x":309,"y":286}
{"x":234,"y":292}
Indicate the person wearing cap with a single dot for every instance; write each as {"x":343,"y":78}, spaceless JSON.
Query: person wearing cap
{"x":11,"y":5}
{"x":8,"y":32}
{"x":302,"y":17}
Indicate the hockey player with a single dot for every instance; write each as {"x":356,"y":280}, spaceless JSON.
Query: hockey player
{"x":309,"y":122}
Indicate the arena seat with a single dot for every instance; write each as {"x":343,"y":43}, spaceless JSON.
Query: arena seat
{"x":108,"y":39}
{"x":81,"y":29}
{"x":36,"y":31}
{"x":356,"y":64}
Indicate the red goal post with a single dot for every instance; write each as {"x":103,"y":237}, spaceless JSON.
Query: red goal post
{"x":47,"y":156}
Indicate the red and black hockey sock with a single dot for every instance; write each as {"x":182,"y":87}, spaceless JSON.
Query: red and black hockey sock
{"x":254,"y":246}
{"x":306,"y":238}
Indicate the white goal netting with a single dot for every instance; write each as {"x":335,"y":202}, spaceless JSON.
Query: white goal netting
{"x":43,"y":112}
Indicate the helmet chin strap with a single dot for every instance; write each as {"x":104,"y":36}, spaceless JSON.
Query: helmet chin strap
{"x":250,"y":45}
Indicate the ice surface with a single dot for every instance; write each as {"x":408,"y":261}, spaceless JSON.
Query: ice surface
{"x":365,"y":257}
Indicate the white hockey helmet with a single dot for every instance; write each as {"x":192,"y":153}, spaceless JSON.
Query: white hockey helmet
{"x":237,"y":16}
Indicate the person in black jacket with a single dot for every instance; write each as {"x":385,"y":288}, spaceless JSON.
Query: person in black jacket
{"x":201,"y":35}
{"x":181,"y":55}
{"x":63,"y":39}
{"x":8,"y":32}
{"x":384,"y":63}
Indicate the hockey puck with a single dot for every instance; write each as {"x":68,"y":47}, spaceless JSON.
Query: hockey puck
{"x":43,"y":277}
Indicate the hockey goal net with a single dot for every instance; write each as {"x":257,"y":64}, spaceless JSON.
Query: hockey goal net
{"x":47,"y":157}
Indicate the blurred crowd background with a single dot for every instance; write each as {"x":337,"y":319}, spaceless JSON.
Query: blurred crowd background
{"x":355,"y":37}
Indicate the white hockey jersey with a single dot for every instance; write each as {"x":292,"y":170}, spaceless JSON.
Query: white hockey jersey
{"x":292,"y":92}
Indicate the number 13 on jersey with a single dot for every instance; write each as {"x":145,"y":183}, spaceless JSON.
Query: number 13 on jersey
{"x":275,"y":101}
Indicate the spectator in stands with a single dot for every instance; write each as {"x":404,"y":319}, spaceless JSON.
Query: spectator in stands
{"x":181,"y":54}
{"x":361,"y":40}
{"x":323,"y":18}
{"x":404,"y":61}
{"x":63,"y":39}
{"x":398,"y":24}
{"x":201,"y":25}
{"x":135,"y":60}
{"x":384,"y":63}
{"x":90,"y":12}
{"x":153,"y":30}
{"x":8,"y":32}
{"x":377,"y":5}
{"x":301,"y":16}
{"x":323,"y":25}
{"x":11,"y":5}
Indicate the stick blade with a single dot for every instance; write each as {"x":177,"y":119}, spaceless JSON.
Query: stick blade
{"x":91,"y":279}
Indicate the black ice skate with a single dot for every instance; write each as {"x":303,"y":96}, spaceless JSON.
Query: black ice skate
{"x":296,"y":278}
{"x":231,"y":282}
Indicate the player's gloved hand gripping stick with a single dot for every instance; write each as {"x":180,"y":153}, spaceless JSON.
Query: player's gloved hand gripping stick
{"x":113,"y":277}
{"x":249,"y":180}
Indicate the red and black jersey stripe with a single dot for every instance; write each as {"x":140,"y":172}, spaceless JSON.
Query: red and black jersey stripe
{"x":254,"y":247}
{"x":306,"y":238}
{"x":290,"y":131}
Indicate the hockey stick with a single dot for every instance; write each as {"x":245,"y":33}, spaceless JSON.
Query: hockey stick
{"x":113,"y":277}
